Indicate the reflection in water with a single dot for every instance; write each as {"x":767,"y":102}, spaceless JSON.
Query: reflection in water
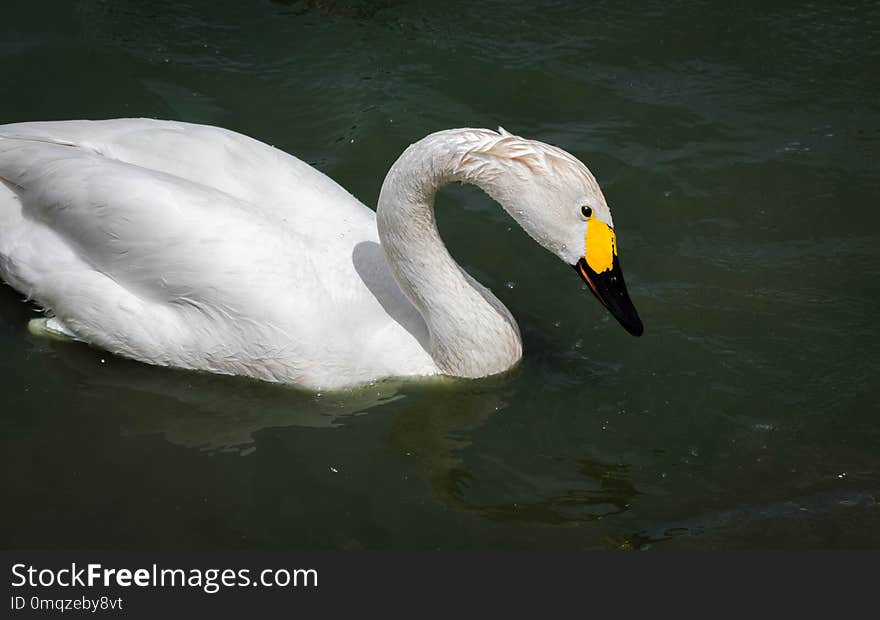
{"x":451,"y":434}
{"x":437,"y":424}
{"x":439,"y":431}
{"x":610,"y":493}
{"x":205,"y":411}
{"x":433,"y":421}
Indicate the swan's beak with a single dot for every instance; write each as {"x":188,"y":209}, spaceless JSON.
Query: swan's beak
{"x":600,"y":269}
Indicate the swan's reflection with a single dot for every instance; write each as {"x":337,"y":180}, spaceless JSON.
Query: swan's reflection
{"x":441,"y":434}
{"x":440,"y":423}
{"x":205,"y":411}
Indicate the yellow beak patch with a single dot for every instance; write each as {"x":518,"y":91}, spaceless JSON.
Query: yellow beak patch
{"x":601,"y":245}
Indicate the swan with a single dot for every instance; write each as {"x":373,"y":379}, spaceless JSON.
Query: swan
{"x":196,"y":247}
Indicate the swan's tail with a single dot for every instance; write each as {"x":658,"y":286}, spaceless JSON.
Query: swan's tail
{"x":50,"y":328}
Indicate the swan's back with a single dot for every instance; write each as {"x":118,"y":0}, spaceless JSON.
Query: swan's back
{"x":212,"y":156}
{"x":192,"y":246}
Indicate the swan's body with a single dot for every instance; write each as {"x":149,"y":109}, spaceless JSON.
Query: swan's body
{"x":196,"y":247}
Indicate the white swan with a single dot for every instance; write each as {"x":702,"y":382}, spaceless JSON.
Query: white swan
{"x":197,"y":247}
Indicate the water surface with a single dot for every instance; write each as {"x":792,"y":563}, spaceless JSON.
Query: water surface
{"x":737,"y":146}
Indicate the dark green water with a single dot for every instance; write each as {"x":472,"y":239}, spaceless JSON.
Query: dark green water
{"x":738,"y":147}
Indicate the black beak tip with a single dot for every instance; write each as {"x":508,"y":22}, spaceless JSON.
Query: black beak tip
{"x":626,"y":315}
{"x":635,"y":328}
{"x":610,"y":289}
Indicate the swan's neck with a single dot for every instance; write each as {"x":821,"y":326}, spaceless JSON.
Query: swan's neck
{"x":472,"y":334}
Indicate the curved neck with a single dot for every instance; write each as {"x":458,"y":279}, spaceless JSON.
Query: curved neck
{"x":472,"y":334}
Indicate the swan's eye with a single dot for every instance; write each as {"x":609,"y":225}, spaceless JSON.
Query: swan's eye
{"x":586,"y":211}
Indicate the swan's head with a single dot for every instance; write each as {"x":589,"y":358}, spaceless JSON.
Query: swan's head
{"x":556,"y":199}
